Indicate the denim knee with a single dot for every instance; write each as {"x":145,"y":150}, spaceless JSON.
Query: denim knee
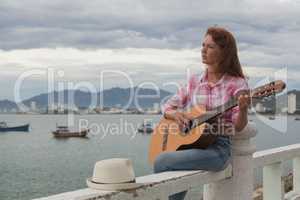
{"x":161,"y":163}
{"x":221,"y":164}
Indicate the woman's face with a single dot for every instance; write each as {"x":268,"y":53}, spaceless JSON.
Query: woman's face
{"x":211,"y":52}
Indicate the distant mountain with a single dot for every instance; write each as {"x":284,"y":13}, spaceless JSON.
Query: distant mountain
{"x":78,"y":97}
{"x":7,"y":105}
{"x":133,"y":97}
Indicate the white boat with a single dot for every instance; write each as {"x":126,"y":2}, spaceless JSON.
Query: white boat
{"x":145,"y":127}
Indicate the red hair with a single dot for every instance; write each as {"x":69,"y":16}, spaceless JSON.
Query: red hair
{"x":229,"y":63}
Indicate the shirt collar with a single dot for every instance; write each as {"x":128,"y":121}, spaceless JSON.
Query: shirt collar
{"x":204,"y":79}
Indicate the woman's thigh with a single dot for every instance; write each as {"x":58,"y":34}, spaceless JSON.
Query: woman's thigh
{"x":190,"y":159}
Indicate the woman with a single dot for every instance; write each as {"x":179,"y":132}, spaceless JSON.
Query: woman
{"x":222,"y":79}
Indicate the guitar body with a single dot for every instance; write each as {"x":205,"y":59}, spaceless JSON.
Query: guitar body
{"x":167,"y":136}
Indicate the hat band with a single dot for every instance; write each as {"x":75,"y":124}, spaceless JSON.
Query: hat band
{"x":132,"y":181}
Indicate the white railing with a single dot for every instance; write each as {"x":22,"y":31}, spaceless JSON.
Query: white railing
{"x":271,"y":161}
{"x":233,"y":183}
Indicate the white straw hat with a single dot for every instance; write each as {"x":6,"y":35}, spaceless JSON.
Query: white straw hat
{"x":113,"y":174}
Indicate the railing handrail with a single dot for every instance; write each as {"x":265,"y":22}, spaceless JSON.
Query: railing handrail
{"x":153,"y":183}
{"x":274,"y":155}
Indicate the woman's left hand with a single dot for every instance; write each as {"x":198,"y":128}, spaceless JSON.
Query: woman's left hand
{"x":244,"y":102}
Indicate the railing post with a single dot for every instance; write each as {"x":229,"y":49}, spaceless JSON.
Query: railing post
{"x":240,"y":185}
{"x":296,"y":175}
{"x":295,"y":193}
{"x":272,"y":185}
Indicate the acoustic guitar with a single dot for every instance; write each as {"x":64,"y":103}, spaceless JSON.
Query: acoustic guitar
{"x":169,"y":136}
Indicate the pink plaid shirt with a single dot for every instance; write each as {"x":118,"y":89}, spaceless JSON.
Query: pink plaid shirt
{"x":199,"y":92}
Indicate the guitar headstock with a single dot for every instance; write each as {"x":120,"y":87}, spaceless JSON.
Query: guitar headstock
{"x":268,"y":89}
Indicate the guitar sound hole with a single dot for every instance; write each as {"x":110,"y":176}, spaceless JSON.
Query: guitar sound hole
{"x":187,"y":127}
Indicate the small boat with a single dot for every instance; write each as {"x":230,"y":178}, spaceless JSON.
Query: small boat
{"x":63,"y":132}
{"x":21,"y":128}
{"x":297,"y":118}
{"x":145,"y":128}
{"x":271,"y":118}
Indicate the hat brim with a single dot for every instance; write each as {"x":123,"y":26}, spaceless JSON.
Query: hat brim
{"x":118,"y":186}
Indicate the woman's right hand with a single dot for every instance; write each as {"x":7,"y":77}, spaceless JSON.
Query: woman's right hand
{"x":181,"y":118}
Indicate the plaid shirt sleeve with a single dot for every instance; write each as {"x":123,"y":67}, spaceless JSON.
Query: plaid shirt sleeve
{"x":240,"y":84}
{"x":182,"y":97}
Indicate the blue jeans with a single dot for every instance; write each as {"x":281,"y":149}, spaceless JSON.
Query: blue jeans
{"x":213,"y":158}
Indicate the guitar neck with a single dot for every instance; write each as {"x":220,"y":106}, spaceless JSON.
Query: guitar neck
{"x":258,"y":93}
{"x":214,"y":113}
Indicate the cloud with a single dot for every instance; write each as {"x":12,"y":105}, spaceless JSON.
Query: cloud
{"x":160,"y":66}
{"x":137,"y":23}
{"x":150,"y":40}
{"x":78,"y":65}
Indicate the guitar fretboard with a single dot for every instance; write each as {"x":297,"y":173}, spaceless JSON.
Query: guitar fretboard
{"x":232,"y":102}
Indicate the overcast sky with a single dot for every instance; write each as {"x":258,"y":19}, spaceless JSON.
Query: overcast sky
{"x":151,"y":41}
